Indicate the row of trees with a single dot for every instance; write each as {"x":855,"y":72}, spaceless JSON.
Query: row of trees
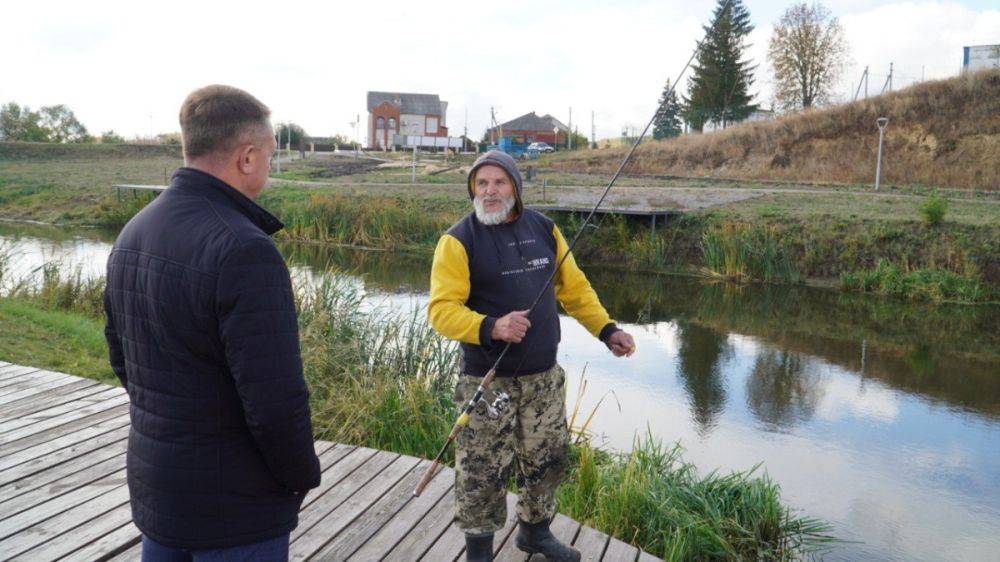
{"x":806,"y":52}
{"x":52,"y":123}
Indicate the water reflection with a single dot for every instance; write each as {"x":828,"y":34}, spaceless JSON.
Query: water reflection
{"x":781,"y":391}
{"x":700,"y":352}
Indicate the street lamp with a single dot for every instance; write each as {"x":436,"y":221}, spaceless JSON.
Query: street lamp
{"x":555,"y":130}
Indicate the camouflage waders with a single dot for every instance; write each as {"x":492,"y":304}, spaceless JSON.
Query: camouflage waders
{"x":532,"y":430}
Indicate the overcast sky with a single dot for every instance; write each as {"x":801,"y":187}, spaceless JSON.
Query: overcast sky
{"x":128,"y":65}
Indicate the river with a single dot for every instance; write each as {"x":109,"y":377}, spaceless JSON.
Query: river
{"x":878,"y":416}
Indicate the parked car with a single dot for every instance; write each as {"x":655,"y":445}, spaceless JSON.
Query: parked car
{"x":541,"y":147}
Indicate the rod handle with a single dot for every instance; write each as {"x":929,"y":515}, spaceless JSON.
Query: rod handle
{"x":425,"y":479}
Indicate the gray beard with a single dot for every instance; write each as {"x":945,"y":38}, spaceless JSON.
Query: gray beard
{"x":495,"y":217}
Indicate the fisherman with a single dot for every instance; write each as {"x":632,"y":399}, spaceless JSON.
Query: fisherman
{"x":488,"y":268}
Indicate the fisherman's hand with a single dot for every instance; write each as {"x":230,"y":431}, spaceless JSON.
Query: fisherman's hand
{"x":512,"y":327}
{"x":621,"y":344}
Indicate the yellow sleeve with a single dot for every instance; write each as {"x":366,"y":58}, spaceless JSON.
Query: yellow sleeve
{"x":450,"y":287}
{"x":574,"y":292}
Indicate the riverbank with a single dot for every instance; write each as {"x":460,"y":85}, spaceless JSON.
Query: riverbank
{"x":841,"y":237}
{"x":384,"y":381}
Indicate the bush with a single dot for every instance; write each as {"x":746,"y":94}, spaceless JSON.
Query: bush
{"x":933,"y":208}
{"x":926,"y":284}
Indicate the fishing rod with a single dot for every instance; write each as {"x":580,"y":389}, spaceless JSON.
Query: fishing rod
{"x":463,"y":418}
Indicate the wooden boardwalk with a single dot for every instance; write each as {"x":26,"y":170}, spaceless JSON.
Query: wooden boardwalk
{"x":63,"y":492}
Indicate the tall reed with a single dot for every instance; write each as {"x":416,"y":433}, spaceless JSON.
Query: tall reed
{"x":651,"y":497}
{"x":742,"y":252}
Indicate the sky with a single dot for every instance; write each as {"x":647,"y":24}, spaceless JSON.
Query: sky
{"x":127,"y":65}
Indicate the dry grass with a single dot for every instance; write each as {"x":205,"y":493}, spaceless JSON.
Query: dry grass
{"x":940,"y":133}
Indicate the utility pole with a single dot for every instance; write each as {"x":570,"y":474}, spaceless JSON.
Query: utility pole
{"x":593,"y":131}
{"x":569,"y":131}
{"x":277,"y":153}
{"x":888,"y":81}
{"x":864,"y":80}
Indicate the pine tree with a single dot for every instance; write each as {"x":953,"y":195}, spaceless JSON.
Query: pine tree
{"x":718,"y":87}
{"x":667,"y":122}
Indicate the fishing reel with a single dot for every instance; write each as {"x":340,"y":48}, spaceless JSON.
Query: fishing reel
{"x":499,"y":405}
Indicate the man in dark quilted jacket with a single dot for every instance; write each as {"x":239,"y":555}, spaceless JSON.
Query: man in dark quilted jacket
{"x":202,"y":332}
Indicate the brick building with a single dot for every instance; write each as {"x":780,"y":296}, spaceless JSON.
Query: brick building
{"x":532,"y":128}
{"x":391,"y":113}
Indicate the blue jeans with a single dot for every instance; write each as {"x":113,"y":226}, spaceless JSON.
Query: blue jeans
{"x":271,"y":550}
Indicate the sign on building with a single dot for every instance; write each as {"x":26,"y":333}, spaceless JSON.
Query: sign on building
{"x":980,"y":57}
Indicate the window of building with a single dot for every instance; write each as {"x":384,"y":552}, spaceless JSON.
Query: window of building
{"x":432,"y":125}
{"x":392,"y":123}
{"x":380,"y":123}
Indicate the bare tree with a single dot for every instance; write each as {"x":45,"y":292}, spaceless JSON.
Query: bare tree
{"x":807,"y":51}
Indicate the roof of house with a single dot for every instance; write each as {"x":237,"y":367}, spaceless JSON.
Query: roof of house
{"x":532,"y":122}
{"x":416,"y":104}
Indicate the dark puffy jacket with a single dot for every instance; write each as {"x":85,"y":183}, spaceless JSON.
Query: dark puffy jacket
{"x":202,"y":333}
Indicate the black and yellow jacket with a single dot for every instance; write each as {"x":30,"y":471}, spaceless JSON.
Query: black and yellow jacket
{"x":481,"y":273}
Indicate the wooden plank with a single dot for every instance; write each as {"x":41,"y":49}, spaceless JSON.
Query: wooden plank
{"x":63,"y":395}
{"x":619,"y":551}
{"x":448,"y":547}
{"x":591,"y":544}
{"x":17,"y":376}
{"x":66,"y":440}
{"x":57,"y":386}
{"x":647,"y":557}
{"x":426,"y":532}
{"x":405,"y":520}
{"x":334,"y":522}
{"x":65,"y":543}
{"x":12,"y":526}
{"x":31,"y":381}
{"x":84,"y":407}
{"x":348,"y":484}
{"x":125,"y":538}
{"x":57,"y":474}
{"x":133,"y":554}
{"x":31,"y":436}
{"x":14,"y":479}
{"x":336,"y":473}
{"x":373,"y":513}
{"x":54,"y":413}
{"x":510,"y":553}
{"x":62,"y":486}
{"x":14,"y":371}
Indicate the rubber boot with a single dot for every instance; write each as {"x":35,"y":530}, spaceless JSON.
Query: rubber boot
{"x":479,"y":548}
{"x":536,"y":538}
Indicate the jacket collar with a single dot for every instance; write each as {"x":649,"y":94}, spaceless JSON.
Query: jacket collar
{"x":201,"y":183}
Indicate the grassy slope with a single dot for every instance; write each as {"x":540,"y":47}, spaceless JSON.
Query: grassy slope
{"x":63,"y":341}
{"x":828,"y":232}
{"x":940,"y":133}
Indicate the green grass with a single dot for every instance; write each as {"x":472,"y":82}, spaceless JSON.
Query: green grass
{"x":918,"y":284}
{"x":653,"y":498}
{"x":68,"y":342}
